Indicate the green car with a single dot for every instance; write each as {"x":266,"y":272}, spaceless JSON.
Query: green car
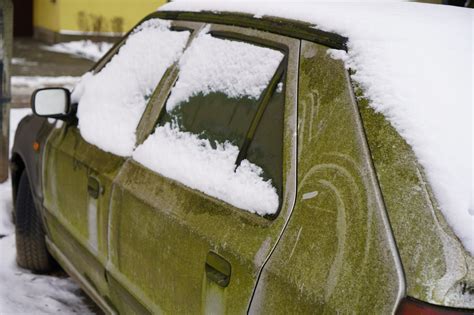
{"x":246,"y":177}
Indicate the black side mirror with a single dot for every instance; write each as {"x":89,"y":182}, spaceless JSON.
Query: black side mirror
{"x":52,"y":103}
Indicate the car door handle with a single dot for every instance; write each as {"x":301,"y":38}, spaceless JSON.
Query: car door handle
{"x":93,"y":187}
{"x":218,"y":269}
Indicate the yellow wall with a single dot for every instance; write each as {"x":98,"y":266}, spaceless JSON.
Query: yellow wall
{"x":46,"y":15}
{"x":104,"y":16}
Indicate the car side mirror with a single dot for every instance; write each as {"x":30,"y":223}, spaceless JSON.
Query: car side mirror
{"x":52,"y":103}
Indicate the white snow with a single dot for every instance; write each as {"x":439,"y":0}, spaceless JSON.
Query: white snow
{"x":112,"y":101}
{"x":414,"y":62}
{"x":184,"y":157}
{"x":234,"y":68}
{"x":23,"y":62}
{"x":212,"y":65}
{"x":22,"y":292}
{"x":38,"y":81}
{"x":82,"y":48}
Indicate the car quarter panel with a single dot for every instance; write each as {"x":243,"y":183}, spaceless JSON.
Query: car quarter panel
{"x":24,"y":158}
{"x":337,"y":253}
{"x":438,"y":269}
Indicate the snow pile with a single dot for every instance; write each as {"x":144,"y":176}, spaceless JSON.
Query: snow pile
{"x":414,"y":62}
{"x":112,"y":101}
{"x":23,"y":62}
{"x":186,"y":158}
{"x":83,"y":48}
{"x":39,"y":82}
{"x":22,"y":292}
{"x":217,"y":65}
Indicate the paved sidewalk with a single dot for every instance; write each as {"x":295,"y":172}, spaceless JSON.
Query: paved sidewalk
{"x":34,"y":67}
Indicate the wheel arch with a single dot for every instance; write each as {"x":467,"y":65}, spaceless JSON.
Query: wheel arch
{"x":17,"y":166}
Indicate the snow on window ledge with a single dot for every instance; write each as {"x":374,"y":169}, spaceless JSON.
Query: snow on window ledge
{"x":186,"y":158}
{"x":219,"y":65}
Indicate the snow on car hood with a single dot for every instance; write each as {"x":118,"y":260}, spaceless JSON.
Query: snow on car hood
{"x":414,"y":63}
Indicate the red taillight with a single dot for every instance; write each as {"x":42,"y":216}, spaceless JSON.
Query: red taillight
{"x":410,"y":306}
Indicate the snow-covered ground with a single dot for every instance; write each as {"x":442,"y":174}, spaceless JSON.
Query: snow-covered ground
{"x":36,"y":81}
{"x":83,"y":48}
{"x":22,"y":292}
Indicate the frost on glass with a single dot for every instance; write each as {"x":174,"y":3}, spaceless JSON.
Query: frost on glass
{"x":112,"y":101}
{"x":225,"y":73}
{"x":185,"y":157}
{"x":234,"y":68}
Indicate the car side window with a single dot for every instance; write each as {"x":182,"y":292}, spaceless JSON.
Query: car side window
{"x":214,"y":116}
{"x":266,"y":147}
{"x":210,"y":124}
{"x":112,"y":101}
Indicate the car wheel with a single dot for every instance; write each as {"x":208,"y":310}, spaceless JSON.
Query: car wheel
{"x":30,"y":237}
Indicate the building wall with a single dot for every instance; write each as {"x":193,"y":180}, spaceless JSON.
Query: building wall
{"x":46,"y":14}
{"x":55,"y":20}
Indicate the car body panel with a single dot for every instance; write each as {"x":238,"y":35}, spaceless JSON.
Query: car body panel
{"x":24,"y":158}
{"x":69,"y":163}
{"x":330,"y":249}
{"x":170,"y":229}
{"x":438,"y":269}
{"x":337,"y":253}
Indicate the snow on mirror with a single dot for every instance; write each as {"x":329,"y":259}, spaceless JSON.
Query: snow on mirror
{"x":51,"y":102}
{"x":224,"y":73}
{"x":112,"y":101}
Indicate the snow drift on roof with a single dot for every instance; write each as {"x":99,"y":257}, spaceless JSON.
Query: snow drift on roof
{"x":414,"y":62}
{"x":112,"y":101}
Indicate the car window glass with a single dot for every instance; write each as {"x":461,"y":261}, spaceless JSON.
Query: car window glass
{"x":266,"y":147}
{"x":215,"y":117}
{"x":112,"y":101}
{"x":206,"y":120}
{"x":217,"y":97}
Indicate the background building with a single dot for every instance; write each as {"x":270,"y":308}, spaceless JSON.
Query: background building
{"x":60,"y":20}
{"x":63,"y":20}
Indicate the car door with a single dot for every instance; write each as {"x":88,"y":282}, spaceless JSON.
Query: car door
{"x":82,"y":161}
{"x":183,"y":238}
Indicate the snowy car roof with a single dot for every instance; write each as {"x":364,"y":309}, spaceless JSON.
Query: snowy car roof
{"x":414,"y":63}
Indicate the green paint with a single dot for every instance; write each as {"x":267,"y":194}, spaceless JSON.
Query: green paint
{"x":435,"y":264}
{"x":154,"y":235}
{"x":334,"y":256}
{"x":69,"y":161}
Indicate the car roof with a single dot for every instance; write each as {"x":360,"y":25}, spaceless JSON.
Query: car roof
{"x":277,"y":25}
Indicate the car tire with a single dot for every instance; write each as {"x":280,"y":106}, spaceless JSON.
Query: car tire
{"x":30,"y":237}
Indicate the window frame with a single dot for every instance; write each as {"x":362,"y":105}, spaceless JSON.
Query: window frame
{"x":175,"y":26}
{"x":291,"y":48}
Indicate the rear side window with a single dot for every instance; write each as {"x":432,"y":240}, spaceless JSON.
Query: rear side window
{"x":266,"y":146}
{"x":206,"y":127}
{"x":112,"y":101}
